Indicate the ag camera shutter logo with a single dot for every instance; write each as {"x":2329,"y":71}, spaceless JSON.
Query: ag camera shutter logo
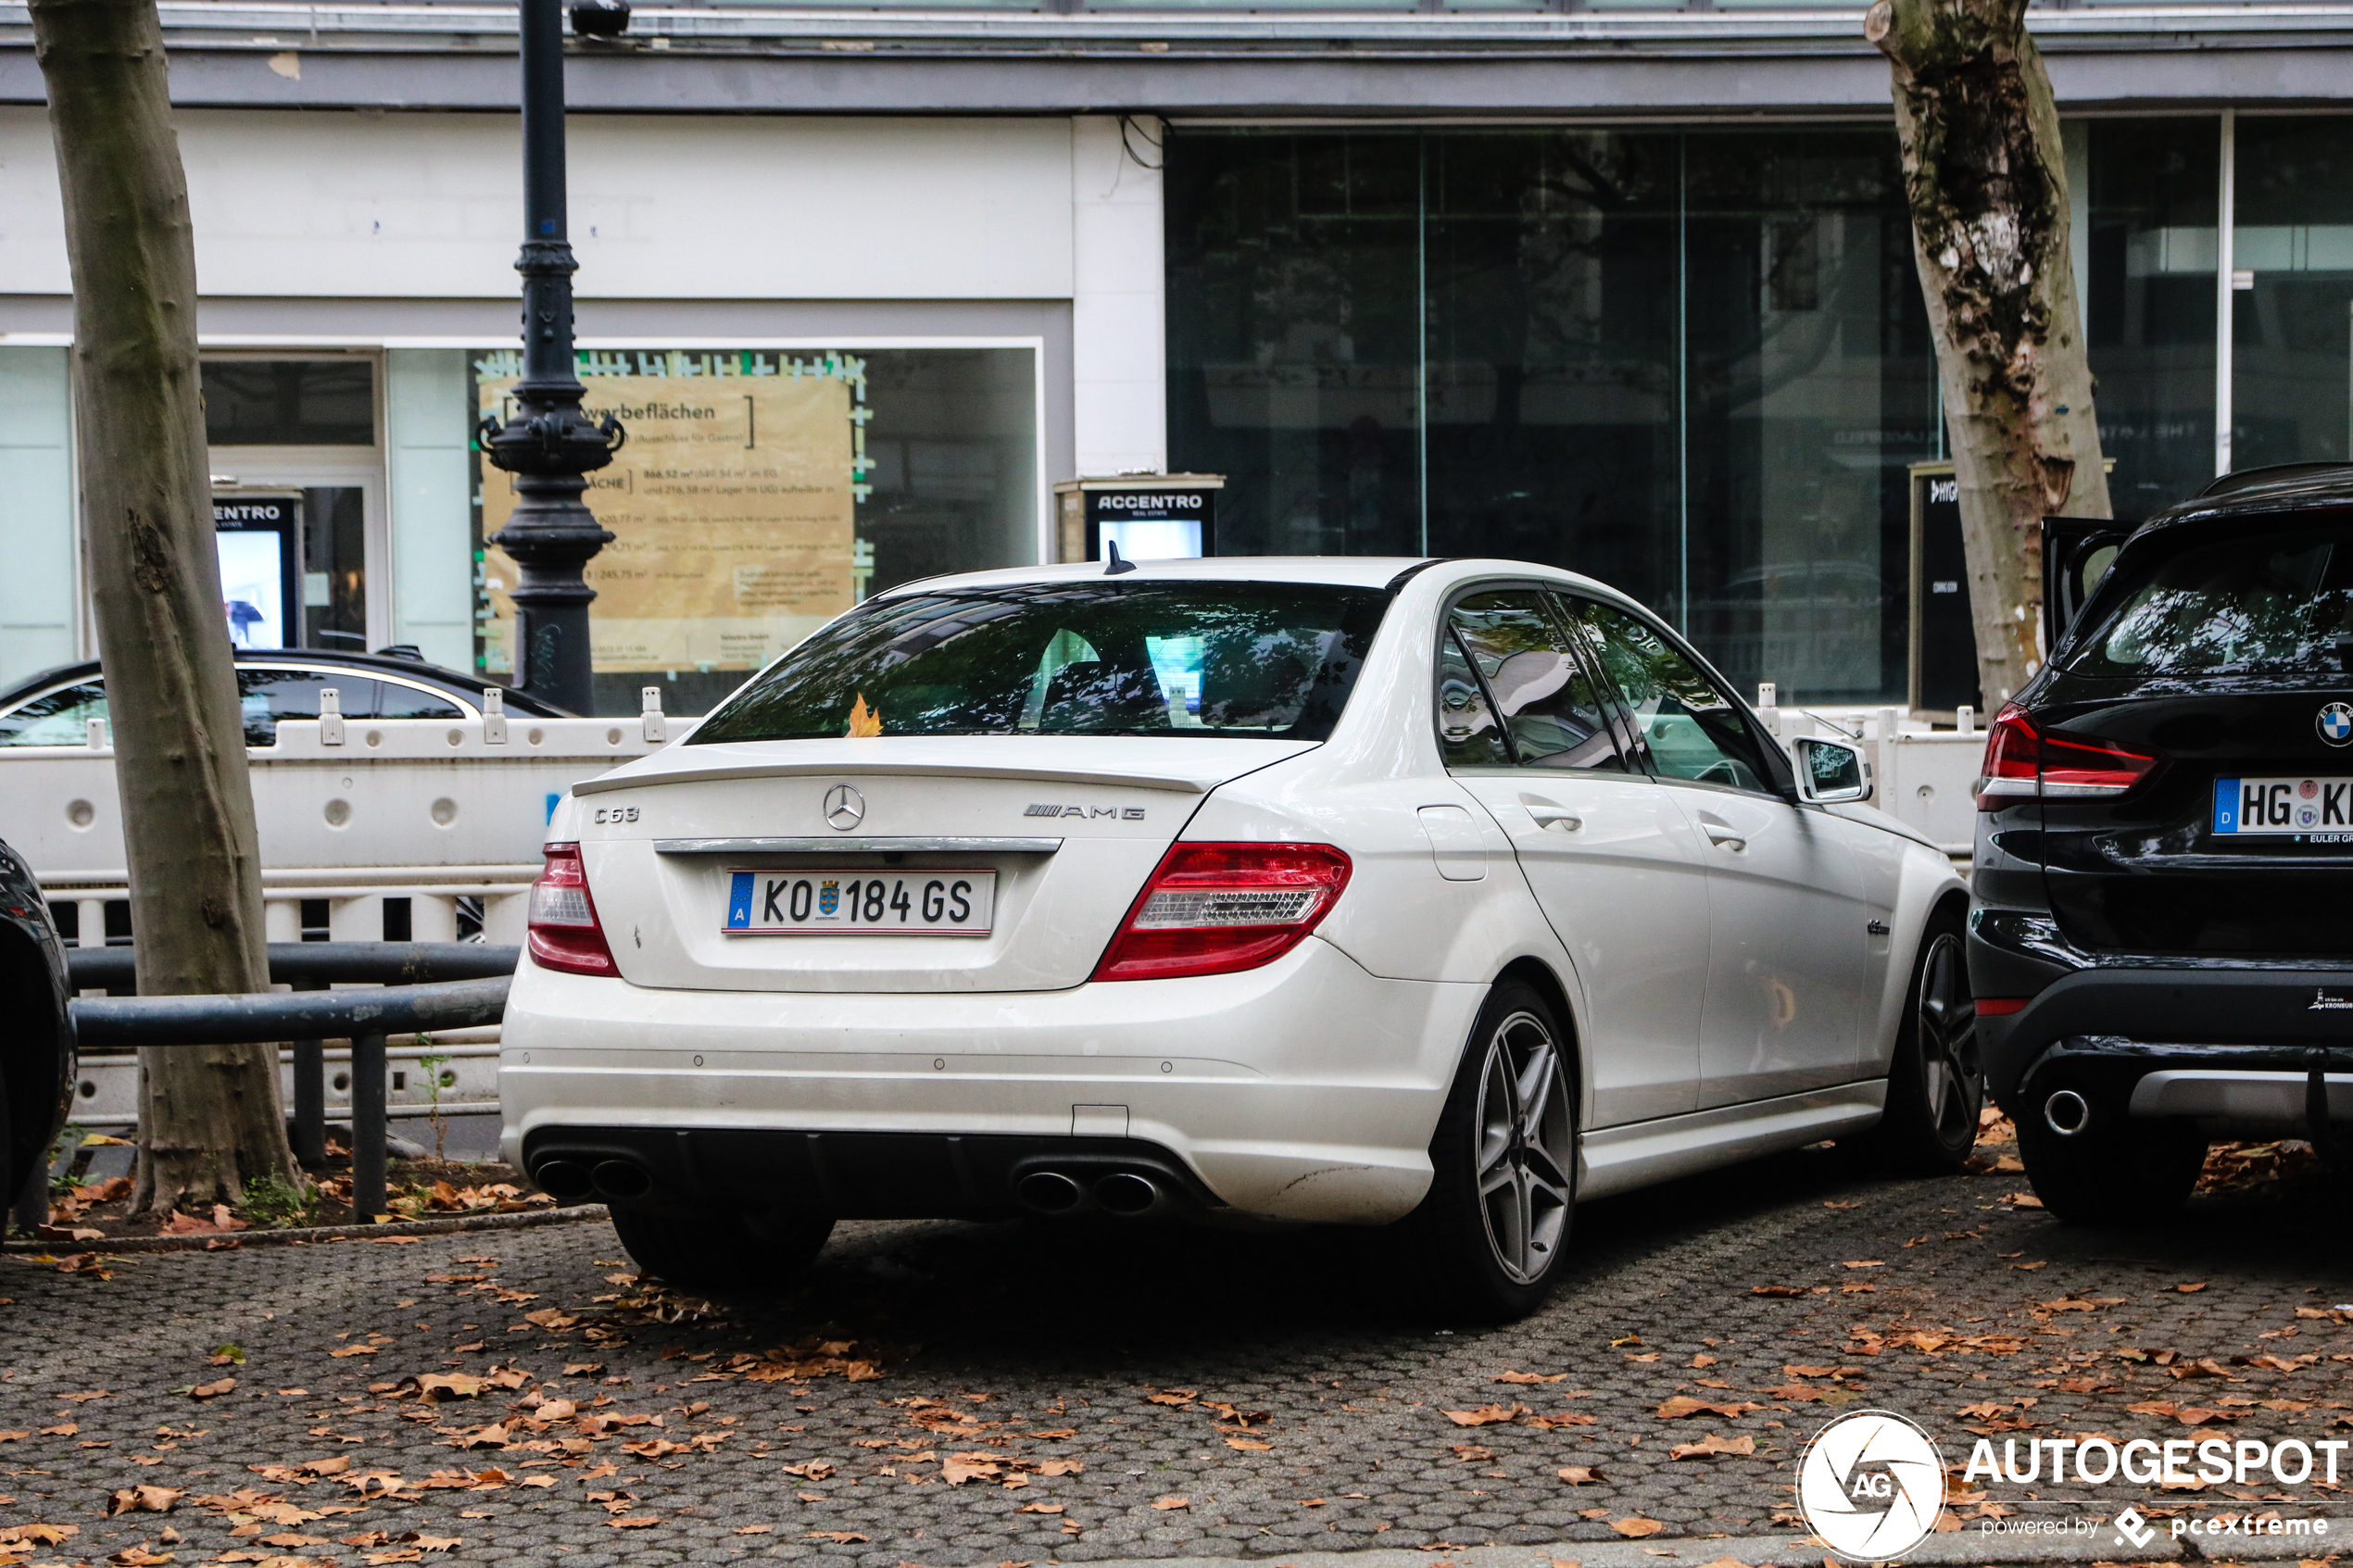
{"x":1871,"y":1484}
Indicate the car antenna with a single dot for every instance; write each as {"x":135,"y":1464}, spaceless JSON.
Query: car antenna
{"x":1113,"y":562}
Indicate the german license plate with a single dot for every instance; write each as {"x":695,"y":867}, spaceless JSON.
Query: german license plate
{"x":763,"y":903}
{"x":2244,"y":807}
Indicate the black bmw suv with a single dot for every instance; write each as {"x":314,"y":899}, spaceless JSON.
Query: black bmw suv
{"x":2161,"y":938}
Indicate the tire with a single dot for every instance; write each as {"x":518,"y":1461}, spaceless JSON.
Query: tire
{"x":1936,"y":1083}
{"x":723,"y":1254}
{"x":2117,"y":1172}
{"x":1487,"y":1239}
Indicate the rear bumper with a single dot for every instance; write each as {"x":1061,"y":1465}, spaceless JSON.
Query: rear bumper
{"x":1307,"y":1089}
{"x":2102,"y":1025}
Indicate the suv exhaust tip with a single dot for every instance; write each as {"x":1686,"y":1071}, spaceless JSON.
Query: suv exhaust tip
{"x":2067,"y":1113}
{"x":1127,"y":1194}
{"x":1049,"y":1192}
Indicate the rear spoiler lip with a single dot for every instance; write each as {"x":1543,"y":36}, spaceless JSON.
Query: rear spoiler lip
{"x":836,"y":768}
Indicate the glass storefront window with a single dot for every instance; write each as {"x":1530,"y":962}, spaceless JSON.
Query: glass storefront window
{"x":1812,"y":387}
{"x":1294,"y":337}
{"x":1552,"y":355}
{"x":290,"y":402}
{"x":760,"y":492}
{"x":1692,"y":365}
{"x":2148,"y":307}
{"x":2292,"y":332}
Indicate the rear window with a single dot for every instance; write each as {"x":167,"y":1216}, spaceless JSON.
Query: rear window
{"x":2275,"y":598}
{"x":1272,"y":660}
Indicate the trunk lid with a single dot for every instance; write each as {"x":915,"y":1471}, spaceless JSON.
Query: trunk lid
{"x":1071,"y":827}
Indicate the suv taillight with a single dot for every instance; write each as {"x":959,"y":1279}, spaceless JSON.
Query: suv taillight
{"x":564,"y":930}
{"x":2025,"y":762}
{"x":1212,"y":909}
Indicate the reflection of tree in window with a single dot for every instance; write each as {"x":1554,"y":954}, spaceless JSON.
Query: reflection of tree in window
{"x":1467,"y":731}
{"x":1691,"y":731}
{"x":1547,"y":703}
{"x":58,"y":718}
{"x":1153,"y":658}
{"x":2230,"y":604}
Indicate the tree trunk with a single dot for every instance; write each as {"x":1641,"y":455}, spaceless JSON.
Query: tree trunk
{"x":208,"y":1117}
{"x":1987,"y":180}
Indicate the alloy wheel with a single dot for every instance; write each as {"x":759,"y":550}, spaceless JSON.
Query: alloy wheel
{"x":1945,"y":1024}
{"x":1526,"y":1147}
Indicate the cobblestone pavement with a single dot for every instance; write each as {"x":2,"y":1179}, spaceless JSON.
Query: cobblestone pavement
{"x":1052,"y":1394}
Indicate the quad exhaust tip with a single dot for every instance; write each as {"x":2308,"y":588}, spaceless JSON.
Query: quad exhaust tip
{"x":565,"y":1179}
{"x":1049,"y":1192}
{"x":1125,"y":1194}
{"x":2067,"y":1113}
{"x":573,"y":1180}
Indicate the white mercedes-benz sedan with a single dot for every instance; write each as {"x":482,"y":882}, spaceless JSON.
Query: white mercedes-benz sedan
{"x":1436,"y":894}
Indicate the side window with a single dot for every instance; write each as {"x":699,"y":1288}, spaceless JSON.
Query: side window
{"x":58,"y":718}
{"x":1548,"y":704}
{"x":1690,"y":728}
{"x":395,"y":700}
{"x":268,"y":693}
{"x":1467,"y":736}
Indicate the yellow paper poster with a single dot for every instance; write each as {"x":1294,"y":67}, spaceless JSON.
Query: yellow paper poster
{"x":731,"y":510}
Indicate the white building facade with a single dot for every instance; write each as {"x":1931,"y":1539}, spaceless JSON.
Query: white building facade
{"x":1625,"y":288}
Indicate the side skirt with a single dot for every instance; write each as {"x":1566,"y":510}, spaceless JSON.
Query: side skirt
{"x":1621,"y":1158}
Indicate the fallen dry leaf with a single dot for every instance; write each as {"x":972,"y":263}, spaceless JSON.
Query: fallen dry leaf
{"x":40,"y":1535}
{"x":1712,"y":1445}
{"x":1683,"y":1405}
{"x":1637,"y":1527}
{"x":839,"y":1537}
{"x":1529,"y":1377}
{"x":1249,"y":1445}
{"x":1485,"y":1415}
{"x":213,"y":1390}
{"x":1581,"y":1474}
{"x":1777,"y":1290}
{"x":1165,"y":1504}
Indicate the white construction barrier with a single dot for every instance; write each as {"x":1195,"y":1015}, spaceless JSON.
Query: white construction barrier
{"x":353,"y":813}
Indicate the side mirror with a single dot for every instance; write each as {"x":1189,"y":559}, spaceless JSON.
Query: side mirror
{"x":1830,"y":771}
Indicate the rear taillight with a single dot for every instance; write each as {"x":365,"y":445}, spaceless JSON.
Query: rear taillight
{"x":2023,"y":762}
{"x":564,"y":930}
{"x":1211,"y":909}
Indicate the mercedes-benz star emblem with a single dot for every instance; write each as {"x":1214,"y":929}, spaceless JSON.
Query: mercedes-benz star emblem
{"x":844,"y":807}
{"x":2336,"y":724}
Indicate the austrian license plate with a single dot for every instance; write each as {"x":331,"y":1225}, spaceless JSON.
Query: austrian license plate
{"x":840,"y":903}
{"x":2246,"y":807}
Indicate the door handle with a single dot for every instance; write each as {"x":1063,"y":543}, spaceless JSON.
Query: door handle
{"x":1556,"y":818}
{"x":1724,"y":836}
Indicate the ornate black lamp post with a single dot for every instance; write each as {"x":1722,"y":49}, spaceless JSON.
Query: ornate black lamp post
{"x":549,"y":446}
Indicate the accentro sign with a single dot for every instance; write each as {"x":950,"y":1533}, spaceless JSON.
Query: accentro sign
{"x":1150,"y":517}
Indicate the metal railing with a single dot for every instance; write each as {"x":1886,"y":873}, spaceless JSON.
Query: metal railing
{"x":390,"y":988}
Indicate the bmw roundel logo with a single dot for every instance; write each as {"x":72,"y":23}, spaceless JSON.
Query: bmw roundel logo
{"x":2336,"y":724}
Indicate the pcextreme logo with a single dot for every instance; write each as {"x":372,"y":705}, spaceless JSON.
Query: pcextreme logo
{"x":1871,"y":1484}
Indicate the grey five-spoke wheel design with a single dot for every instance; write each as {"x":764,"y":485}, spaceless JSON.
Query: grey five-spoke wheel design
{"x":1526,"y":1147}
{"x":1952,"y":1080}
